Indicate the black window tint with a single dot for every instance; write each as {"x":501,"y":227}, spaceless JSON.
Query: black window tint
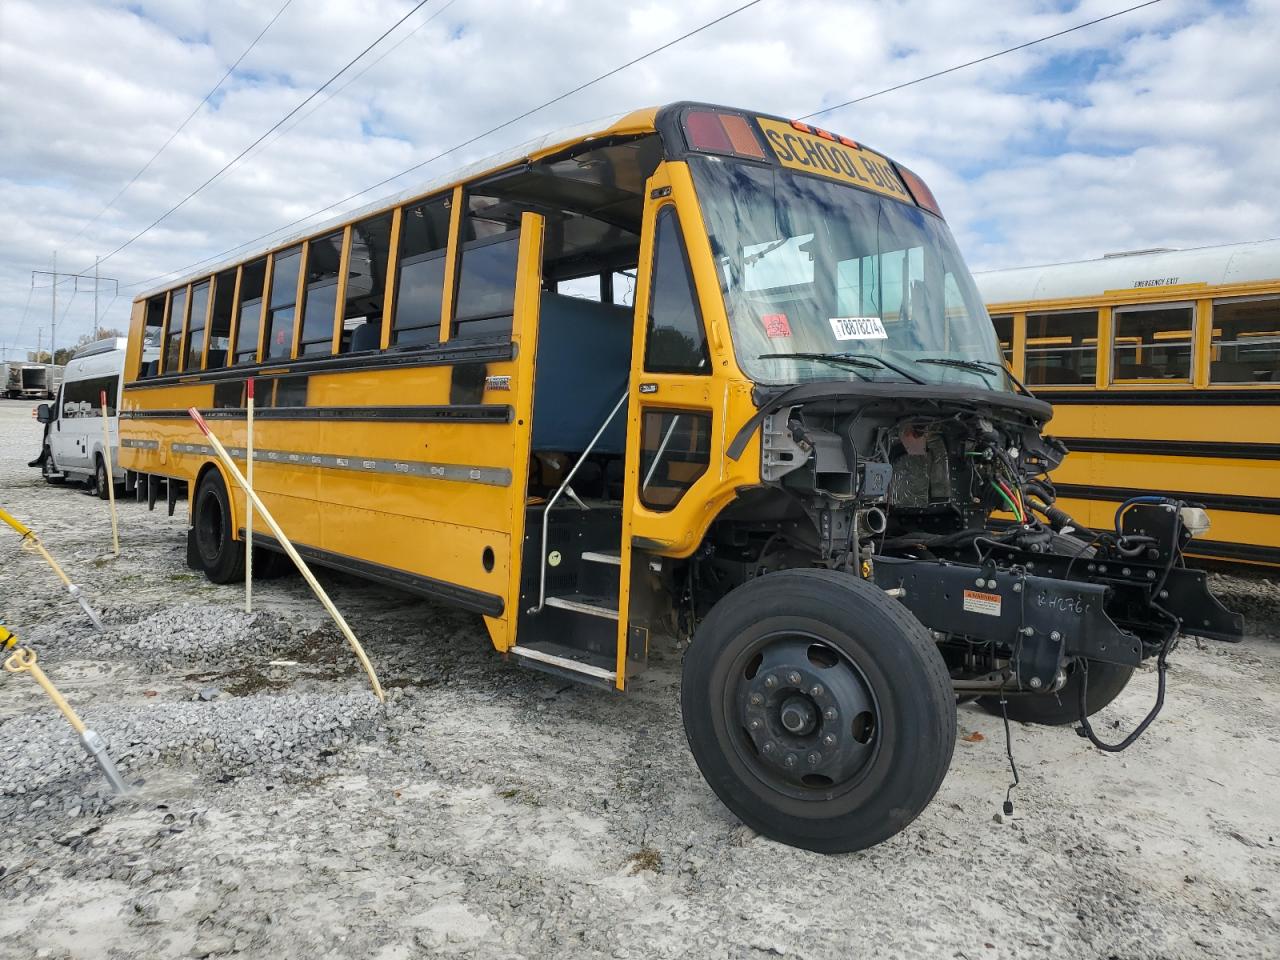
{"x":252,"y":278}
{"x":83,"y":398}
{"x":424,"y":237}
{"x":1246,"y":341}
{"x":486,"y":287}
{"x":173,"y":335}
{"x":324,"y":258}
{"x":366,"y":285}
{"x":284,"y":295}
{"x":224,"y":292}
{"x":193,"y":357}
{"x":152,"y":333}
{"x":675,"y":342}
{"x":675,"y":449}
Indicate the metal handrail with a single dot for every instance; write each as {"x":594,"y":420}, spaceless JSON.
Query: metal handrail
{"x":546,"y":513}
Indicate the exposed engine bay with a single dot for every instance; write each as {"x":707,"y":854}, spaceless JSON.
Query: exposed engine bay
{"x":943,"y":498}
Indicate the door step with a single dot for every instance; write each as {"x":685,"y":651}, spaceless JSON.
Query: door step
{"x":591,"y":606}
{"x":612,"y":557}
{"x":556,"y":663}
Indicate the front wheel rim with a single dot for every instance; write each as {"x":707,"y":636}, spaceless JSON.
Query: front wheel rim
{"x":802,"y":716}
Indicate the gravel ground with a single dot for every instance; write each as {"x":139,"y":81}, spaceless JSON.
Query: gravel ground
{"x":493,"y":812}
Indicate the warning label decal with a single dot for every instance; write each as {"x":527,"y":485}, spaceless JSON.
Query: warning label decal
{"x":977,"y":602}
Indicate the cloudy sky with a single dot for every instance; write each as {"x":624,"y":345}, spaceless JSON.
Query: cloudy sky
{"x":1157,"y":128}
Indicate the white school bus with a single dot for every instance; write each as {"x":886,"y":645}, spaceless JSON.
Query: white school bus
{"x":697,"y":370}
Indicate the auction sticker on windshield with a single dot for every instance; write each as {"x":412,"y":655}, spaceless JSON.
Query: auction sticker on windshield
{"x":857,"y":165}
{"x":858,"y":328}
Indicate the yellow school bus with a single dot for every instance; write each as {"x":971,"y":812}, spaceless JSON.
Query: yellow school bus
{"x":1163,"y":367}
{"x":695,"y":371}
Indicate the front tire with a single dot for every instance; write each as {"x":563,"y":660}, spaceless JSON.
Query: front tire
{"x":49,"y":469}
{"x":220,"y":556}
{"x":101,"y":480}
{"x":818,"y":710}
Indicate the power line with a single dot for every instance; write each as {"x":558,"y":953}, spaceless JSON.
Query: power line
{"x":238,"y":157}
{"x":146,"y":166}
{"x":989,"y":56}
{"x":466,"y":143}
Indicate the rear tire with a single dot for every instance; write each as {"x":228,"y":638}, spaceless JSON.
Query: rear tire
{"x":1106,"y":681}
{"x":220,"y":556}
{"x":818,"y":709}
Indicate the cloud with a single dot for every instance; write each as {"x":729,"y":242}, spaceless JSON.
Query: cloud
{"x":1153,"y":129}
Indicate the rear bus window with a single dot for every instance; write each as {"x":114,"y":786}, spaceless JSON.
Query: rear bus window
{"x":252,"y":278}
{"x":424,"y":237}
{"x":1246,"y":341}
{"x":366,"y":285}
{"x":1152,"y":343}
{"x":284,"y":296}
{"x":324,"y":258}
{"x":486,"y":298}
{"x":193,"y":356}
{"x":1062,"y":348}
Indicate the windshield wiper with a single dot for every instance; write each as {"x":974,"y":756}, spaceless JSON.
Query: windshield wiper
{"x":849,"y":360}
{"x":979,"y":366}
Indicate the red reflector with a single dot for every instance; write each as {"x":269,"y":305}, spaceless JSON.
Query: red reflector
{"x":722,"y":133}
{"x":706,"y":132}
{"x":919,"y":190}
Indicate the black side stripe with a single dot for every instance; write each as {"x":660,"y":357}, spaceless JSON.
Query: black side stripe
{"x":475,"y":413}
{"x":477,"y":601}
{"x":1212,"y":501}
{"x":1261,"y":397}
{"x":1225,"y":550}
{"x":462,"y":351}
{"x":1175,"y":448}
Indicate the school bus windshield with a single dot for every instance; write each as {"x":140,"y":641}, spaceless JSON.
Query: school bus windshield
{"x":843,"y":276}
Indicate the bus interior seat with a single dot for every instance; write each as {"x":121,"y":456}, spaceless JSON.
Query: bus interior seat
{"x":367,"y":336}
{"x":1139,"y":371}
{"x":149,"y":368}
{"x":1232,"y":371}
{"x":215,"y":358}
{"x":584,"y":361}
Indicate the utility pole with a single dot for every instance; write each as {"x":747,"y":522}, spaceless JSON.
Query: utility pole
{"x":54,"y":277}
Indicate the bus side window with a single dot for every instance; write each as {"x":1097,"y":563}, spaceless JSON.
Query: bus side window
{"x":252,"y":278}
{"x":173,"y":333}
{"x":324,"y":258}
{"x":675,"y":341}
{"x":366,"y":285}
{"x":193,"y":355}
{"x":152,"y":331}
{"x":1062,"y":348}
{"x":424,"y":239}
{"x":224,"y":293}
{"x":1152,"y":342}
{"x":284,"y":297}
{"x":485,"y":303}
{"x":1004,"y":333}
{"x":1246,"y":341}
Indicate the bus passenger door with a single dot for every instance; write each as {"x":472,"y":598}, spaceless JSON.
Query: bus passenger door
{"x":673,"y":411}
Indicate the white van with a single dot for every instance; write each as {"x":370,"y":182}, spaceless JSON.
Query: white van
{"x":73,"y":439}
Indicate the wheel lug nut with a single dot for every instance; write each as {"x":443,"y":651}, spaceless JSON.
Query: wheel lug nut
{"x":756,"y":699}
{"x":817,"y":691}
{"x":771,"y":681}
{"x":769,"y":747}
{"x":829,"y":740}
{"x":754,"y":724}
{"x":830,"y":713}
{"x":791,"y":760}
{"x":793,"y":677}
{"x":814,"y":758}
